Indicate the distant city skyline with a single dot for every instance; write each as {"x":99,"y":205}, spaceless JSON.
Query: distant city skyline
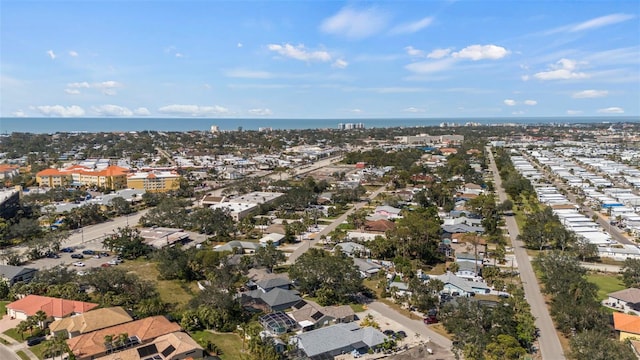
{"x":319,"y":59}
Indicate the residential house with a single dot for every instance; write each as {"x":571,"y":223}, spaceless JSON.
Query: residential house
{"x":54,"y":308}
{"x":8,"y":171}
{"x":13,"y":274}
{"x":625,"y":300}
{"x":399,"y":288}
{"x":470,"y":188}
{"x":275,"y":238}
{"x":627,"y":326}
{"x":353,"y":249}
{"x":173,"y":346}
{"x":463,"y":287}
{"x":461,"y":229}
{"x":311,"y":316}
{"x":140,"y":332}
{"x":327,"y":342}
{"x":468,"y":270}
{"x":90,"y":321}
{"x":246,"y":247}
{"x":276,"y":299}
{"x":389,"y":212}
{"x":470,"y":258}
{"x":379,"y":226}
{"x":366,"y":267}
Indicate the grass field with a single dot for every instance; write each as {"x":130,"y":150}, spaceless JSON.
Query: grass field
{"x":230,"y":344}
{"x":171,"y":291}
{"x":22,"y":355}
{"x":606,"y":283}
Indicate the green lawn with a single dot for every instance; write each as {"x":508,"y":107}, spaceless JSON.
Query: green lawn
{"x":22,"y":355}
{"x":606,"y":283}
{"x":13,"y":333}
{"x":3,"y":307}
{"x":171,"y":291}
{"x":230,"y":344}
{"x":38,"y":350}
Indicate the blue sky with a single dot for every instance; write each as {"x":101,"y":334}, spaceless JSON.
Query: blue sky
{"x":319,"y":59}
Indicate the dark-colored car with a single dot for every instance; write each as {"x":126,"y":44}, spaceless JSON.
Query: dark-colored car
{"x":77,"y":256}
{"x":389,"y":332}
{"x":67,"y":250}
{"x":104,"y":254}
{"x":52,"y":255}
{"x":88,"y":252}
{"x":34,"y":341}
{"x":431,"y":320}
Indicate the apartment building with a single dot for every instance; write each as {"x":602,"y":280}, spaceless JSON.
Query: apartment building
{"x":112,"y":177}
{"x":161,"y":181}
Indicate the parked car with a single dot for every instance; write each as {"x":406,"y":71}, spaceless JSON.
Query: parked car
{"x":67,"y":250}
{"x":431,"y":320}
{"x":105,"y":265}
{"x":34,"y":341}
{"x":77,"y":256}
{"x":88,"y":252}
{"x":78,"y":264}
{"x":52,"y":255}
{"x":113,"y":262}
{"x":401,"y":335}
{"x":104,"y":254}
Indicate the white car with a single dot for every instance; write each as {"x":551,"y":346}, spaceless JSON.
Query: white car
{"x":113,"y":262}
{"x":79,"y":264}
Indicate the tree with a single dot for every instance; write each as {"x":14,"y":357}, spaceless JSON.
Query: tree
{"x":631,"y":272}
{"x":597,"y":345}
{"x":318,"y":269}
{"x":120,"y":206}
{"x":585,"y":249}
{"x":369,"y":321}
{"x":269,"y":256}
{"x":505,"y":347}
{"x":127,"y":243}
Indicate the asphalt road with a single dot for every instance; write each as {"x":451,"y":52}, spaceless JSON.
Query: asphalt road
{"x":7,"y":354}
{"x":416,"y":326}
{"x":329,"y":228}
{"x":548,"y":341}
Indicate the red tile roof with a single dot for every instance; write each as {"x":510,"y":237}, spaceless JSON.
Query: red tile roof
{"x":55,"y":307}
{"x":626,"y":323}
{"x":51,"y":172}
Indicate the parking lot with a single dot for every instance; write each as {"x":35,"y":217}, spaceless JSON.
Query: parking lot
{"x":65,"y":259}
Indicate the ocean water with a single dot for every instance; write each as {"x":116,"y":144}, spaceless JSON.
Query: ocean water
{"x":108,"y":124}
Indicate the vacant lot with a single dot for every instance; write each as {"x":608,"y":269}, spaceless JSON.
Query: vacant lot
{"x":606,"y":283}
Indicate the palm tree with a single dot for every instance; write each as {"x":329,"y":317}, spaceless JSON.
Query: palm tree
{"x":22,"y":327}
{"x":108,"y":341}
{"x":122,"y":339}
{"x":40,"y":317}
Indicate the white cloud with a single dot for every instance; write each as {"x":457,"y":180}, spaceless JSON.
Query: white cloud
{"x":112,"y":110}
{"x":340,"y":64}
{"x":356,"y":111}
{"x":439,"y":53}
{"x":354,"y":23}
{"x":260,"y":112}
{"x":480,"y":52}
{"x":142,"y":111}
{"x":107,"y":85}
{"x":574,"y":112}
{"x":239,"y":45}
{"x":248,"y":74}
{"x":530,"y":102}
{"x":193,"y":110}
{"x":611,"y":110}
{"x":19,"y":113}
{"x":51,"y":54}
{"x":412,"y":27}
{"x":413,"y":51}
{"x":59,"y":110}
{"x":72,"y":91}
{"x":73,"y":53}
{"x":524,"y":77}
{"x":564,"y":69}
{"x":414,"y":110}
{"x":299,"y":52}
{"x":509,"y":102}
{"x":427,"y":67}
{"x":587,"y":94}
{"x":518,"y":112}
{"x":601,"y":21}
{"x":79,"y":85}
{"x":179,"y":55}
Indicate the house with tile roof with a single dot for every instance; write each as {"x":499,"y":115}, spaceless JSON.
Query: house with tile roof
{"x":624,"y":300}
{"x":54,"y":307}
{"x":173,"y":346}
{"x":90,"y":321}
{"x":327,"y":342}
{"x":627,"y":326}
{"x":140,"y":332}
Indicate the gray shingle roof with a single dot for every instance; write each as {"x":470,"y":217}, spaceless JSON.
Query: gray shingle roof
{"x":630,"y":295}
{"x":339,"y":337}
{"x":9,"y":271}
